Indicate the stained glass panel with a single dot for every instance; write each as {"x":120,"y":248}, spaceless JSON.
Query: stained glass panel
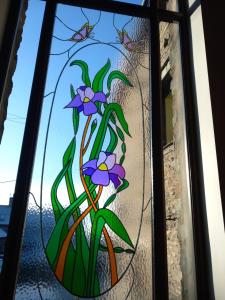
{"x":83,"y":236}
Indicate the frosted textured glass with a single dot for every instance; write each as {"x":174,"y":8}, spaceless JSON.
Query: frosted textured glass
{"x":84,"y":148}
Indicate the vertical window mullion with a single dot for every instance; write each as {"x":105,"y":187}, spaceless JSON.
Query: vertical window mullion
{"x":159,"y":250}
{"x":16,"y":225}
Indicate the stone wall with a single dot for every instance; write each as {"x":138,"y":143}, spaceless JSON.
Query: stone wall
{"x":178,"y":208}
{"x":173,"y":214}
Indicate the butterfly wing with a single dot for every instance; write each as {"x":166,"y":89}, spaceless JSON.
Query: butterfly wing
{"x":131,"y":46}
{"x":126,"y":38}
{"x":128,"y":43}
{"x":81,"y":34}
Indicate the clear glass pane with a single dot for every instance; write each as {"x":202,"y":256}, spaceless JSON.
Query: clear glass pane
{"x":169,"y":5}
{"x":83,"y":236}
{"x":210,"y":171}
{"x":190,"y":2}
{"x":10,"y":146}
{"x":181,"y":264}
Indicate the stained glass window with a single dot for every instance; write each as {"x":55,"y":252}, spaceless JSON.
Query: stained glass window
{"x":83,"y":236}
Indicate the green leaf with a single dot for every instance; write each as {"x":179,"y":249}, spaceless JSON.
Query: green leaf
{"x":122,"y":187}
{"x":75,"y":112}
{"x":84,"y":68}
{"x":102,"y":217}
{"x":124,"y":148}
{"x":75,"y":120}
{"x":79,"y":259}
{"x":113,"y":140}
{"x":56,"y":205}
{"x":69,"y":154}
{"x":122,"y":159}
{"x":93,"y":126}
{"x":117,"y":75}
{"x":113,"y":119}
{"x":111,"y":108}
{"x":61,"y":229}
{"x":97,"y":84}
{"x":120,"y":133}
{"x":72,"y":91}
{"x":68,"y":158}
{"x":116,"y":249}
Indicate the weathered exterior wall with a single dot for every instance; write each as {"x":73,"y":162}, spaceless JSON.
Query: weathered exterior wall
{"x":173,"y":208}
{"x":13,"y":57}
{"x":178,"y":208}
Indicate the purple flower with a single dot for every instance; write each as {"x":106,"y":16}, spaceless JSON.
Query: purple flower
{"x":85,"y":100}
{"x":104,"y":169}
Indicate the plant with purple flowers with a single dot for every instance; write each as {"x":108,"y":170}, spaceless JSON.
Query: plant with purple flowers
{"x":104,"y":169}
{"x":85,"y":100}
{"x":96,"y":172}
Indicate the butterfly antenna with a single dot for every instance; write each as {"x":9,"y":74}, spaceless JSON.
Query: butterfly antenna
{"x":114,"y":22}
{"x":127,"y":23}
{"x":64,"y":24}
{"x":99,"y":17}
{"x":83,"y":13}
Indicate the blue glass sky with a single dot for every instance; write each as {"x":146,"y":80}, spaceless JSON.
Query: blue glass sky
{"x":61,"y":130}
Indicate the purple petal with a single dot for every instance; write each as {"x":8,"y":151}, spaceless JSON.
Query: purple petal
{"x":118,"y":170}
{"x":89,"y":93}
{"x":100,"y":177}
{"x":110,"y":161}
{"x":90,"y":164}
{"x":115,"y":180}
{"x":76,"y":102}
{"x":99,"y":96}
{"x":80,"y":91}
{"x":88,"y":171}
{"x":89,"y":108}
{"x":101,"y":158}
{"x":80,"y":108}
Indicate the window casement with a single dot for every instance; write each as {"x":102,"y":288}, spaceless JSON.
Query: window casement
{"x":103,"y":69}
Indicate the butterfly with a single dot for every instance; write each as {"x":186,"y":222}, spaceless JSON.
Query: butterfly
{"x":126,"y":41}
{"x":82,"y":34}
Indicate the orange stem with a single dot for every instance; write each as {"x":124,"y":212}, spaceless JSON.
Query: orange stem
{"x":112,"y":257}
